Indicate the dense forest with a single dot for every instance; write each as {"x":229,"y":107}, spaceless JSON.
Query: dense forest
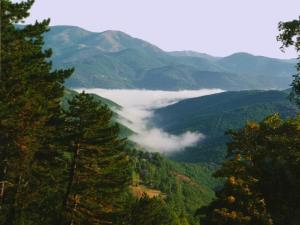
{"x":65,"y":160}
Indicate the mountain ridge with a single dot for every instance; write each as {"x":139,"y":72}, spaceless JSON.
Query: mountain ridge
{"x":114,"y":59}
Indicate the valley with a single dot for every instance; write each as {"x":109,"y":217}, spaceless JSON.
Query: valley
{"x":136,"y":113}
{"x":167,"y":163}
{"x":103,"y":128}
{"x":174,"y":108}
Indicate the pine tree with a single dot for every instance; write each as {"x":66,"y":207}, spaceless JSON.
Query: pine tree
{"x":150,"y":211}
{"x":30,"y":93}
{"x":239,"y":202}
{"x":290,"y":36}
{"x":99,"y":170}
{"x":263,"y":173}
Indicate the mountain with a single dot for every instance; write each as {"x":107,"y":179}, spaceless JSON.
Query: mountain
{"x":213,"y":115}
{"x":262,"y":68}
{"x":113,"y":59}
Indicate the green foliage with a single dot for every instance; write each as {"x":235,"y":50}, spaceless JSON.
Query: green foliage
{"x":262,"y":172}
{"x":99,"y":170}
{"x":30,"y":93}
{"x":290,"y":36}
{"x":183,"y":186}
{"x":70,"y":94}
{"x":150,"y":211}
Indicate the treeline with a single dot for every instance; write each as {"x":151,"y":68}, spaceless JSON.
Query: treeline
{"x":262,"y":170}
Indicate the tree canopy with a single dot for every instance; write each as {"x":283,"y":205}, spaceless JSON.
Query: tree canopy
{"x":56,"y":166}
{"x":290,"y":36}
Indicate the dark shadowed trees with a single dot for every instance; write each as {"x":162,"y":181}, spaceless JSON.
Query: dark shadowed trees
{"x":262,"y":172}
{"x":98,"y":168}
{"x":30,"y":92}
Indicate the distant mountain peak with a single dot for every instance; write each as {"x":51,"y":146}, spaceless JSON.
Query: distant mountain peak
{"x":107,"y":41}
{"x":115,"y":33}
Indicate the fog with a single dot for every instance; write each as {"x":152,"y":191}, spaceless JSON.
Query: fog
{"x":137,"y":111}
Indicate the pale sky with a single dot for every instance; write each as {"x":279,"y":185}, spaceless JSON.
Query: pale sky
{"x":216,"y":27}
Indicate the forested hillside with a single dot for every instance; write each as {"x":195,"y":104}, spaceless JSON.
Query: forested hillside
{"x":182,"y":186}
{"x":213,"y":115}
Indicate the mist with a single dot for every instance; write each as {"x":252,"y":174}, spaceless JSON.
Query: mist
{"x":137,"y":111}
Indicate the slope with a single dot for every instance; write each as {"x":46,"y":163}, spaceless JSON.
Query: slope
{"x":183,"y":186}
{"x":214,"y":114}
{"x":113,"y":59}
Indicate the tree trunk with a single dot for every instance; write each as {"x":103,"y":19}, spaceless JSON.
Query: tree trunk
{"x":76,"y":201}
{"x":72,"y":172}
{"x":2,"y":191}
{"x":12,"y":209}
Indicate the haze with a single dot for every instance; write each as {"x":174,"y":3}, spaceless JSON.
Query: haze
{"x":137,"y":112}
{"x":215,"y":27}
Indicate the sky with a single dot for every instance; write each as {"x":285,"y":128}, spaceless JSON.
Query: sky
{"x":137,"y":111}
{"x":216,"y":27}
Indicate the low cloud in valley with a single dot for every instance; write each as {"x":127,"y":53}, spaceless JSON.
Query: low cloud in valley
{"x":137,"y":111}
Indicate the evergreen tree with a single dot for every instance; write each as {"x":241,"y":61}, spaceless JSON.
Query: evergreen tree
{"x":263,"y":173}
{"x":30,"y":93}
{"x":150,"y":211}
{"x":239,"y":202}
{"x":290,"y":36}
{"x":99,"y":170}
